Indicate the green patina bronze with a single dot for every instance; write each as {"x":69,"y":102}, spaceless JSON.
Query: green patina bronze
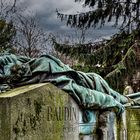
{"x":89,"y":90}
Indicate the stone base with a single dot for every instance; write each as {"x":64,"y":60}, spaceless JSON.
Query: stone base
{"x":38,"y":112}
{"x":44,"y":112}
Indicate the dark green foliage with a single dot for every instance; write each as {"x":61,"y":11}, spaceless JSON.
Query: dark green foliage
{"x":7,"y":34}
{"x":116,"y":60}
{"x":105,"y":11}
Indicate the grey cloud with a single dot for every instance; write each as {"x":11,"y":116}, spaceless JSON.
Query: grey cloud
{"x":45,"y":10}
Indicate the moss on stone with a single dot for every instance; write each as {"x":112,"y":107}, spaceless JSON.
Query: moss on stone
{"x":133,"y":124}
{"x":23,"y":112}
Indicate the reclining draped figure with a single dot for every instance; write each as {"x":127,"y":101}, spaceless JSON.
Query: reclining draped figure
{"x":89,"y":90}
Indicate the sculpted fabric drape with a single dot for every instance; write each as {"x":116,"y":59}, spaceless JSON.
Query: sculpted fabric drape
{"x":89,"y":90}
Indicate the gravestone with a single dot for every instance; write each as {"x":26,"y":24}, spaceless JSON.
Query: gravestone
{"x":44,"y":112}
{"x":39,"y":112}
{"x":133,"y":124}
{"x":128,"y":125}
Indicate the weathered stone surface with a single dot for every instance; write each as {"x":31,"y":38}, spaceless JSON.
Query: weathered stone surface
{"x":44,"y":112}
{"x":38,"y":112}
{"x":133,"y":124}
{"x":128,"y":125}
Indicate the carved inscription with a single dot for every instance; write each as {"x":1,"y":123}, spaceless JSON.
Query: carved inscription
{"x":61,"y":114}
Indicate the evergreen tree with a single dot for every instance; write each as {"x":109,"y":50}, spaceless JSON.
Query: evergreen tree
{"x":117,"y":59}
{"x":7,"y":29}
{"x":128,"y":11}
{"x":7,"y":34}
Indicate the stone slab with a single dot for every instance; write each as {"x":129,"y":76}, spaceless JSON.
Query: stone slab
{"x":38,"y":112}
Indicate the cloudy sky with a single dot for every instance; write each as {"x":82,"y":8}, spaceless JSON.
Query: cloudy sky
{"x":45,"y":10}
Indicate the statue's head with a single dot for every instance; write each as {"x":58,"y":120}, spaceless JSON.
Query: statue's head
{"x":12,"y":73}
{"x":17,"y":70}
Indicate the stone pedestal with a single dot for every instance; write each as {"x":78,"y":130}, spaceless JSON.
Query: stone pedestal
{"x":44,"y":112}
{"x":133,"y":124}
{"x":38,"y":112}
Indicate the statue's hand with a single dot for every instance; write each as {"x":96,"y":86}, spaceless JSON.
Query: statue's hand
{"x":119,"y":109}
{"x":4,"y":88}
{"x":132,"y":103}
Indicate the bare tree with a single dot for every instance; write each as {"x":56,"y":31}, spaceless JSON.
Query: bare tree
{"x":31,"y":40}
{"x":7,"y":7}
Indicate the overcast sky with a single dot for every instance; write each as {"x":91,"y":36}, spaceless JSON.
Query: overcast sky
{"x":46,"y":11}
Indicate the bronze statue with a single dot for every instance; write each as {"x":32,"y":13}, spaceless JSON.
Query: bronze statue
{"x":89,"y":90}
